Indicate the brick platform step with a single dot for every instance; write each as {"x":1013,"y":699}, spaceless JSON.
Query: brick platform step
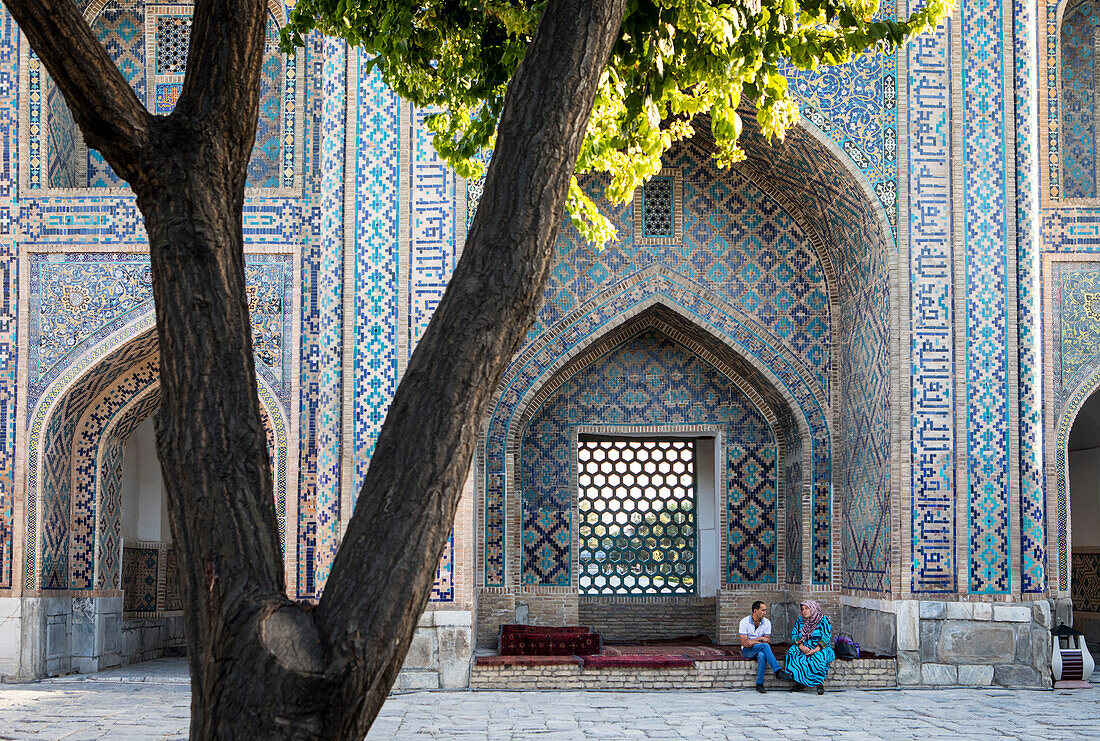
{"x":705,"y":675}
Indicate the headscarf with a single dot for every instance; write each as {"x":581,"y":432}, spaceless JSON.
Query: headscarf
{"x":809,"y":624}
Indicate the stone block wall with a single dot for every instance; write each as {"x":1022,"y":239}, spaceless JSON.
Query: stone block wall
{"x":974,"y":643}
{"x":145,"y":639}
{"x":440,"y":654}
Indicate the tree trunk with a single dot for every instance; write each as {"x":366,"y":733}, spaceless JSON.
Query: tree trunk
{"x":262,"y":666}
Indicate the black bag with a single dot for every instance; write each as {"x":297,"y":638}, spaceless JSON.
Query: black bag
{"x":845,"y":647}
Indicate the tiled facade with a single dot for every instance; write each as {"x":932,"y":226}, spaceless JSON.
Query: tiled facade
{"x":888,"y":321}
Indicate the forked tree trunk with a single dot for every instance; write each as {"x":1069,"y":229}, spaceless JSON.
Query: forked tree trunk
{"x":262,"y":666}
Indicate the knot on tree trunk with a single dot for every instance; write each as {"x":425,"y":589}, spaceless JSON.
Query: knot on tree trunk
{"x":290,"y":635}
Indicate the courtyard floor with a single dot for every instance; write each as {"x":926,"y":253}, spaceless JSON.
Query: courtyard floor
{"x":150,"y":701}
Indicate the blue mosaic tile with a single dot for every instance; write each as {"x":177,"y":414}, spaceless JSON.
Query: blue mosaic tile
{"x":1078,"y":72}
{"x":1032,"y":498}
{"x":9,"y":293}
{"x":595,"y":319}
{"x":932,"y":306}
{"x":985,"y":240}
{"x":83,"y":297}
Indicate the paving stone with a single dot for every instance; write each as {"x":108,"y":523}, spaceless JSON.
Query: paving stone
{"x":118,"y":709}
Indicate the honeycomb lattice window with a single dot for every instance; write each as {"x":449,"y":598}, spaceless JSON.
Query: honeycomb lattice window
{"x":657,"y":207}
{"x":173,"y":36}
{"x":637,"y":516}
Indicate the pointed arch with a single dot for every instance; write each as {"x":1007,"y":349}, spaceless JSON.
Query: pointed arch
{"x":86,"y":412}
{"x":785,"y":428}
{"x":783,"y":380}
{"x":1061,"y":511}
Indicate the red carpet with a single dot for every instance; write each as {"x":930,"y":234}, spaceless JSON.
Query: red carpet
{"x":528,"y":645}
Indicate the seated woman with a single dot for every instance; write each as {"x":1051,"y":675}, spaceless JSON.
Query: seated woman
{"x":809,"y":658}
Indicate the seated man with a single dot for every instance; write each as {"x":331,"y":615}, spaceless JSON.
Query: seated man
{"x":756,"y":635}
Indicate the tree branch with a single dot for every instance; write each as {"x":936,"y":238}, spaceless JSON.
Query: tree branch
{"x":103,"y":104}
{"x":383,"y":572}
{"x":224,"y":62}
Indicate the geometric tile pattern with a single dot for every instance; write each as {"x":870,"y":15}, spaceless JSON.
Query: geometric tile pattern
{"x":751,"y":504}
{"x":378,"y":185}
{"x":79,"y":221}
{"x":76,"y":293}
{"x":309,"y":348}
{"x":1086,"y":582}
{"x":822,"y":190}
{"x":87,"y":506}
{"x":120,"y":27}
{"x":108,"y":546}
{"x":657,"y":216}
{"x":792,"y":488}
{"x":1029,"y":384}
{"x":108,"y":489}
{"x":150,"y":579}
{"x":932,"y":328}
{"x":82,"y":528}
{"x":739,"y":340}
{"x":1078,"y":73}
{"x":61,"y":143}
{"x":173,"y":34}
{"x":139,"y":579}
{"x":736,"y":241}
{"x":271,"y":163}
{"x":266,"y":164}
{"x":9,"y":294}
{"x":432,"y":255}
{"x":149,"y":45}
{"x":647,"y":380}
{"x":319,"y":498}
{"x":986,"y":242}
{"x":48,"y":499}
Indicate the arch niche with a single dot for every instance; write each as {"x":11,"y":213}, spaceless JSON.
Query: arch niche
{"x":79,"y":430}
{"x":782,"y":277}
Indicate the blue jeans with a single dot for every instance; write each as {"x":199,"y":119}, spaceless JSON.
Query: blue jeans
{"x":762,"y":652}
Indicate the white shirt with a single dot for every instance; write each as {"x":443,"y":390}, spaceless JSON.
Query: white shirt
{"x":748,"y":628}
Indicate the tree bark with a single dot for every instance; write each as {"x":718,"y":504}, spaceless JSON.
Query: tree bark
{"x":382,"y":576}
{"x":262,"y":666}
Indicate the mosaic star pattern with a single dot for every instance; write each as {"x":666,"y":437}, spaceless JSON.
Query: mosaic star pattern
{"x":83,"y":297}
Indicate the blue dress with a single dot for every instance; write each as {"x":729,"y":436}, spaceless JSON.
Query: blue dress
{"x":811,"y":670}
